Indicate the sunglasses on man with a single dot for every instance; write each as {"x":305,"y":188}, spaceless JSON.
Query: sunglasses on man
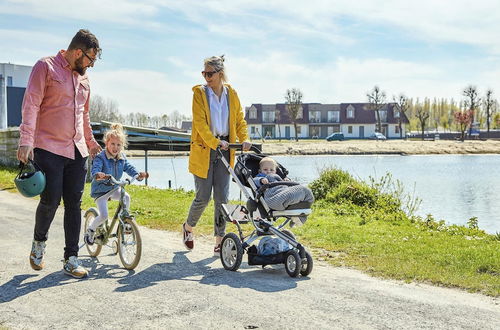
{"x":208,"y":74}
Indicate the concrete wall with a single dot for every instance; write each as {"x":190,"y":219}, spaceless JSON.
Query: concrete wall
{"x":9,"y":139}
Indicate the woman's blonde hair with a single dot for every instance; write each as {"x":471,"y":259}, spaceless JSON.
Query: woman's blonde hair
{"x":217,"y":62}
{"x":116,"y":131}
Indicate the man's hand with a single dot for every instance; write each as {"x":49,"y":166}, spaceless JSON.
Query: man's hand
{"x":24,"y":153}
{"x":94,"y":151}
{"x":246,"y":146}
{"x":142,"y":175}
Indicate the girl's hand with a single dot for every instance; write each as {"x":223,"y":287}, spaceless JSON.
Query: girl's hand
{"x":142,"y":175}
{"x":101,"y":176}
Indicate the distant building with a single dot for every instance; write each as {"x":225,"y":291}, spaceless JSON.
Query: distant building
{"x":13,"y":81}
{"x":186,"y":126}
{"x":316,"y":120}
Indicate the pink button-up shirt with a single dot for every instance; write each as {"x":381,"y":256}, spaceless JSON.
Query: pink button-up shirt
{"x":56,"y":109}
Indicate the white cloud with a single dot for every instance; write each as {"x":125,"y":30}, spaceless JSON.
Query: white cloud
{"x":142,"y":91}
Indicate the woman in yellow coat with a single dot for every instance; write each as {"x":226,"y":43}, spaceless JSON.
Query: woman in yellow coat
{"x":218,"y":120}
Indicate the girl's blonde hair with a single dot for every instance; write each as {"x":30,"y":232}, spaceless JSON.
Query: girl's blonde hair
{"x":116,"y":131}
{"x":217,"y":62}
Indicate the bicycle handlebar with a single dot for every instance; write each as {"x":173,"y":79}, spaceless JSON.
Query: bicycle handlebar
{"x":122,"y":182}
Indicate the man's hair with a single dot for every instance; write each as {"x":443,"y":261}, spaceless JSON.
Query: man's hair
{"x":85,"y":40}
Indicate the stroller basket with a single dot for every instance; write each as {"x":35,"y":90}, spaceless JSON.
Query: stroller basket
{"x":272,"y":259}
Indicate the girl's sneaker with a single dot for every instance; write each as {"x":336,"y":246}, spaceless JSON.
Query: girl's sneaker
{"x":88,"y":238}
{"x":36,"y":255}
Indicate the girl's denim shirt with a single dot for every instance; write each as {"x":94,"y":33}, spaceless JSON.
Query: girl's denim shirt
{"x":106,"y":163}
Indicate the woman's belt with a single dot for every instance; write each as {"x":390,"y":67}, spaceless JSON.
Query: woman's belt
{"x":223,"y":137}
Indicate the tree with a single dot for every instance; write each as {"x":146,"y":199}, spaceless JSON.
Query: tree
{"x":489,"y":104}
{"x":277,"y":120}
{"x":104,"y":109}
{"x":472,"y":102}
{"x":422,"y":114}
{"x":376,"y":100}
{"x":402,"y":106}
{"x":463,"y":118}
{"x":293,"y":99}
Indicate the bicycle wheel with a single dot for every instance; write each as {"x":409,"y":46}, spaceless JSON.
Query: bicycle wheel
{"x":89,"y":216}
{"x":129,"y":243}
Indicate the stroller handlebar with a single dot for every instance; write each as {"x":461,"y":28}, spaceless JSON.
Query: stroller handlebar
{"x":257,"y":148}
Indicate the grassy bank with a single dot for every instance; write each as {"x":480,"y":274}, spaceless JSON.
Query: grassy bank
{"x":355,"y":225}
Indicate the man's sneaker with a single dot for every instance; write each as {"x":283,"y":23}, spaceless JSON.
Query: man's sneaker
{"x":88,"y":238}
{"x":73,"y":267}
{"x":36,"y":255}
{"x":187,"y":237}
{"x":217,"y":251}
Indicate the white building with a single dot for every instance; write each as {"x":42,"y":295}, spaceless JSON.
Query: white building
{"x":13,"y":81}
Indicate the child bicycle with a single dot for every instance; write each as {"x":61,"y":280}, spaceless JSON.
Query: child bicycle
{"x":126,"y":239}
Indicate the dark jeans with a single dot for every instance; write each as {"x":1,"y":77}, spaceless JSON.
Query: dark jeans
{"x":65,"y":178}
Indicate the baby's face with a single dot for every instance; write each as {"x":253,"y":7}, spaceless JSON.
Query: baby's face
{"x":267,"y":168}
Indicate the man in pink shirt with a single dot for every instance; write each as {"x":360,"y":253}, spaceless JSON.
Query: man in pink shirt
{"x":56,"y":133}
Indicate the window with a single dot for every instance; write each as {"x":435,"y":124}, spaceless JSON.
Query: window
{"x":350,"y":111}
{"x":253,"y":113}
{"x":9,"y":81}
{"x":252,"y":129}
{"x":314,"y":116}
{"x":300,"y":113}
{"x":383,"y":115}
{"x":349,"y":129}
{"x":299,"y":130}
{"x":268,"y":116}
{"x":396,"y":129}
{"x":396,"y":113}
{"x":333,"y":117}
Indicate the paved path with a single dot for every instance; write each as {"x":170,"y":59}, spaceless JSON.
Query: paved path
{"x":175,"y":289}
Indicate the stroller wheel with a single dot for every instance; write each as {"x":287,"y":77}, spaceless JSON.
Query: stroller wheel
{"x":293,"y":263}
{"x":231,"y":252}
{"x":307,"y":265}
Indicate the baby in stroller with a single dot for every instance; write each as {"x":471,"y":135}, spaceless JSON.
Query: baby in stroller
{"x":280,"y":196}
{"x":271,"y":205}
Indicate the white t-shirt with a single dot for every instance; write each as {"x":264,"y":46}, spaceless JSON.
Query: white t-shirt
{"x":219,"y":112}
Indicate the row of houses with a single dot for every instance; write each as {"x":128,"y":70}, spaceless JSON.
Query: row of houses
{"x":314,"y":120}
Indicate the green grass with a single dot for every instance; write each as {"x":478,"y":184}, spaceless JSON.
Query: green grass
{"x":381,"y":241}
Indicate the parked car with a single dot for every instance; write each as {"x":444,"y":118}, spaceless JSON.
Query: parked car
{"x":377,"y":136}
{"x":337,"y":136}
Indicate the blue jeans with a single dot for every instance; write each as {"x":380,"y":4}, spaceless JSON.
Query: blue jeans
{"x":65,"y":178}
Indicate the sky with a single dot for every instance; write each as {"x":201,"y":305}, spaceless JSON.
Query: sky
{"x":333,"y":51}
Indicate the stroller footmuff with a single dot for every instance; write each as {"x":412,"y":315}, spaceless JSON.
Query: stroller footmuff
{"x":277,"y":245}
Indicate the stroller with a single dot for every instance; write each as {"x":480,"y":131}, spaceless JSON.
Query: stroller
{"x":296,"y":258}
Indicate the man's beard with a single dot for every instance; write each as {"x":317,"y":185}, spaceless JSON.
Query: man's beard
{"x":79,"y":66}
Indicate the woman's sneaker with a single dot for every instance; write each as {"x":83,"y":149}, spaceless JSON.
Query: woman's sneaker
{"x":73,"y":267}
{"x":88,"y":238}
{"x":217,"y":251}
{"x":36,"y":255}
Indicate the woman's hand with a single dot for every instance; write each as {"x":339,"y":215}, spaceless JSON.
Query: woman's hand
{"x":224,"y":145}
{"x":246,"y":146}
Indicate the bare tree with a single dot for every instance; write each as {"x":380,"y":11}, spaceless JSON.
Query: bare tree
{"x":104,"y":109}
{"x":402,"y":106}
{"x":277,"y":120}
{"x":294,"y":106}
{"x":472,"y":103}
{"x":489,"y":104}
{"x":422,"y":114}
{"x":376,"y":100}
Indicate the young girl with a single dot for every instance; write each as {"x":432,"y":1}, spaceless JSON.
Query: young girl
{"x":110,"y":161}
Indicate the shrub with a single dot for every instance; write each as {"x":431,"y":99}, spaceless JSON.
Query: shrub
{"x":329,"y":179}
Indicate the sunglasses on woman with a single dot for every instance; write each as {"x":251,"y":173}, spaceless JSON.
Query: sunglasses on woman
{"x":208,"y":74}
